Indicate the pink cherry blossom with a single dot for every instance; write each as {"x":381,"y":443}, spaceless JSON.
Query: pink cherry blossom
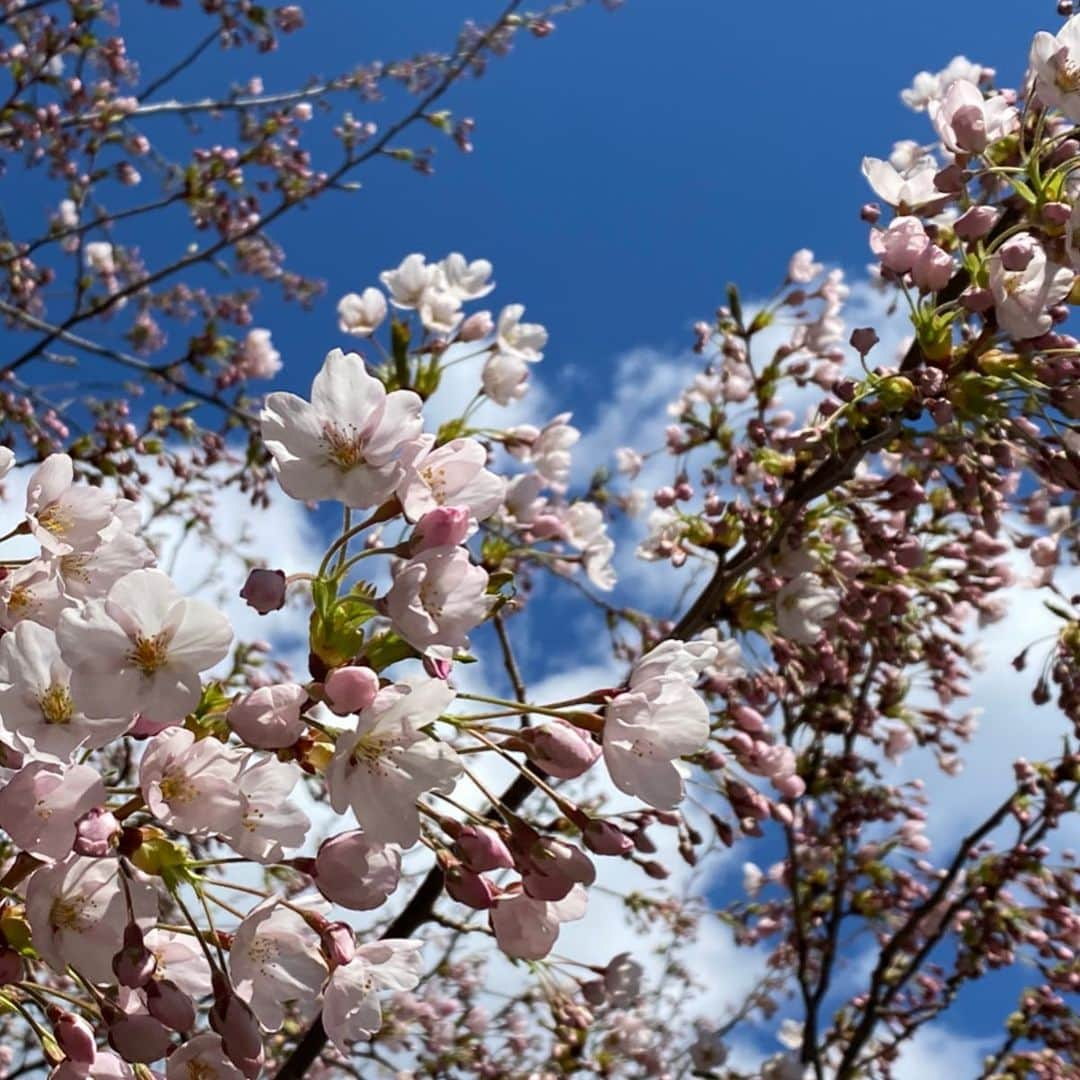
{"x":361,"y":314}
{"x":345,"y":443}
{"x":408,"y":283}
{"x":908,"y":190}
{"x":466,"y":280}
{"x":527,"y":929}
{"x":41,"y":803}
{"x":275,"y":963}
{"x":1055,"y":61}
{"x":141,"y":649}
{"x":351,"y":689}
{"x":257,"y":358}
{"x":65,"y":516}
{"x":966,"y":122}
{"x":202,"y":1057}
{"x":380,"y":769}
{"x":1021,"y":297}
{"x":526,"y":340}
{"x":351,"y":1008}
{"x":505,"y":377}
{"x":37,"y":710}
{"x":803,"y":607}
{"x":449,"y":475}
{"x":437,"y":597}
{"x":191,"y":785}
{"x":658,"y":719}
{"x":267,"y":822}
{"x":77,"y":910}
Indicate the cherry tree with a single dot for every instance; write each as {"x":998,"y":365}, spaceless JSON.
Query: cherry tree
{"x":359,"y":853}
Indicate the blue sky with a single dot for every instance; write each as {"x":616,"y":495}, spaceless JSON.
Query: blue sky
{"x":627,"y":166}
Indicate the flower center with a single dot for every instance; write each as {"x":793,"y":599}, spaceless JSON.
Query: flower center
{"x":369,"y":748}
{"x":430,"y":600}
{"x":66,"y":913}
{"x":55,"y":705}
{"x":150,"y":654}
{"x":200,"y":1070}
{"x":74,"y":566}
{"x":1066,"y":73}
{"x":176,"y":788}
{"x":20,"y":601}
{"x":57,"y":519}
{"x":435,"y":478}
{"x":344,"y":446}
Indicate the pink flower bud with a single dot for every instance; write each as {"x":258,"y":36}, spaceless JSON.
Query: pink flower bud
{"x":975,"y":222}
{"x":1017,"y":252}
{"x":864,"y":339}
{"x":604,"y":838}
{"x":969,"y":126}
{"x":167,"y":1003}
{"x":870,"y":213}
{"x":139,"y":1038}
{"x":469,"y":888}
{"x":74,"y":1036}
{"x":264,"y":590}
{"x":438,"y":668}
{"x":269,"y":718}
{"x":977,"y":299}
{"x":551,"y":868}
{"x":664,"y":497}
{"x":932,"y":269}
{"x":352,"y":871}
{"x":339,"y":943}
{"x":1056,"y":213}
{"x":560,"y":749}
{"x":351,"y":689}
{"x":481,"y":849}
{"x":134,"y":965}
{"x":96,"y":833}
{"x":1044,"y":552}
{"x":241,"y":1037}
{"x":12,"y":968}
{"x":445,"y":526}
{"x":476,"y":326}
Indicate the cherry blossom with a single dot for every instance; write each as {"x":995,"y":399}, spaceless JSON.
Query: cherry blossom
{"x":355,"y":872}
{"x":380,"y":769}
{"x":351,"y":1009}
{"x":65,"y":516}
{"x":77,"y":910}
{"x":1021,"y":297}
{"x":275,"y":964}
{"x":361,"y":314}
{"x":203,"y":1057}
{"x":658,"y":719}
{"x":527,"y":929}
{"x":41,"y":803}
{"x":437,"y":597}
{"x":345,"y":443}
{"x":1055,"y":61}
{"x":450,"y":475}
{"x":525,"y":340}
{"x":466,"y":280}
{"x":37,"y":710}
{"x":141,"y":649}
{"x":269,"y":717}
{"x":909,"y":189}
{"x":191,"y":785}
